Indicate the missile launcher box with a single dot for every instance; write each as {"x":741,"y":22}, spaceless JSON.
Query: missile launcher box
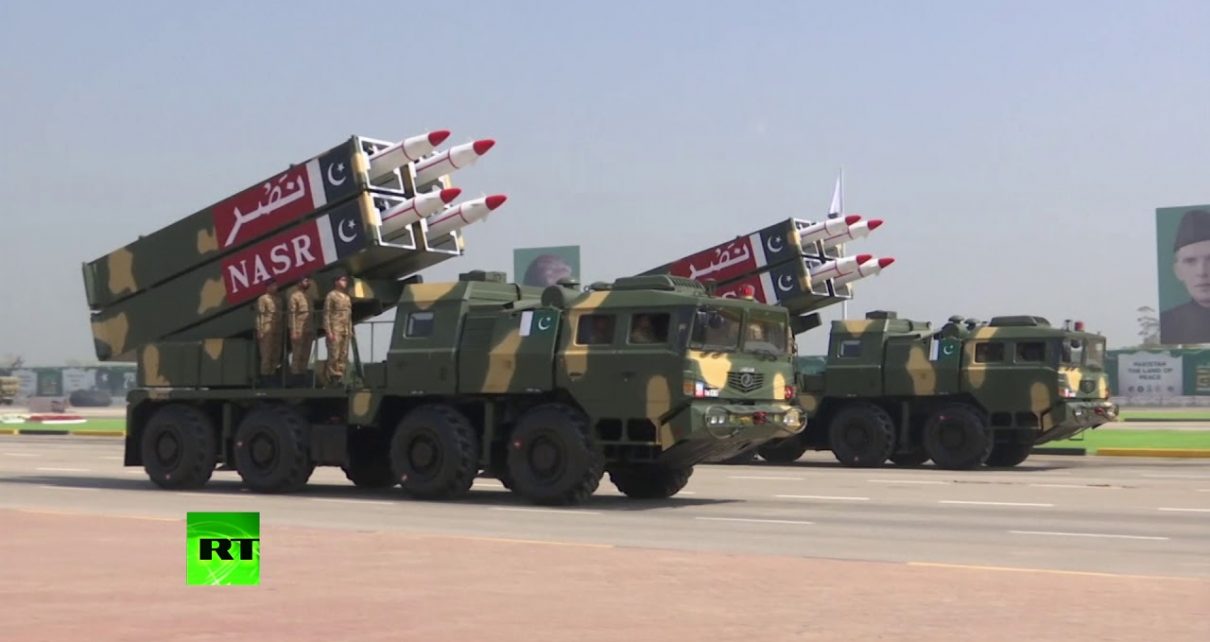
{"x":198,"y":277}
{"x":772,"y":264}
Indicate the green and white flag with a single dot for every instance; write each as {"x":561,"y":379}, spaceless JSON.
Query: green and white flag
{"x":537,"y":322}
{"x":944,"y":350}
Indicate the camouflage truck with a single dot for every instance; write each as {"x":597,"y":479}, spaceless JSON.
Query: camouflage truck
{"x":482,"y":376}
{"x":544,"y":389}
{"x":963,"y":396}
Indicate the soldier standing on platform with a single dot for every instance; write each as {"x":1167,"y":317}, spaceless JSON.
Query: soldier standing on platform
{"x":302,"y":327}
{"x":338,"y":325}
{"x":269,"y":330}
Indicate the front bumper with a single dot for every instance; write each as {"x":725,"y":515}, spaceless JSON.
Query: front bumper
{"x":715,"y":431}
{"x":1069,"y":418}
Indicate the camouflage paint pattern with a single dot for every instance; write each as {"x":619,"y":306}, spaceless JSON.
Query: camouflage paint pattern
{"x":1012,"y":369}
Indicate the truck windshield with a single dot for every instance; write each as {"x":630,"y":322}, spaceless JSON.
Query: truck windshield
{"x":765,"y":334}
{"x":1094,"y":356}
{"x":1071,"y":351}
{"x":715,"y":328}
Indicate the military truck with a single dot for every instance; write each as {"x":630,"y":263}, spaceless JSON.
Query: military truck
{"x":968,"y":394}
{"x":546,"y":389}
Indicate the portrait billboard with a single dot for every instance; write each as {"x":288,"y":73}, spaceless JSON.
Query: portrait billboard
{"x":1183,"y":254}
{"x":543,"y":266}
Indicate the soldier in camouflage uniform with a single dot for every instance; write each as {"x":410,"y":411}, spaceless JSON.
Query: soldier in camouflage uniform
{"x":302,"y":327}
{"x":269,"y":330}
{"x":338,"y":325}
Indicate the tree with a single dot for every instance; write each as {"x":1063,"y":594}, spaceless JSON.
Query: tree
{"x":1149,"y":326}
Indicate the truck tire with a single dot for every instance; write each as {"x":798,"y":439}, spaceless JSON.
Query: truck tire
{"x":180,"y":447}
{"x":957,"y":437}
{"x":782,"y":451}
{"x":649,"y":481}
{"x":272,"y":454}
{"x":861,"y":435}
{"x":551,"y":457}
{"x":435,"y":453}
{"x":913,"y":457}
{"x":1009,"y":454}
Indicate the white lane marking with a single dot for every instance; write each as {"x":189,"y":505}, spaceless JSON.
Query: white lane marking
{"x":1203,"y":490}
{"x":686,"y":492}
{"x":906,"y":481}
{"x":22,"y":454}
{"x":63,"y":470}
{"x":488,"y":483}
{"x":1174,"y":476}
{"x":755,"y":521}
{"x":134,"y":471}
{"x":1187,"y":510}
{"x":355,"y":502}
{"x":1104,"y":535}
{"x":571,"y":511}
{"x":65,"y":487}
{"x":1071,"y":486}
{"x":839,"y":498}
{"x":765,"y":477}
{"x":974,"y":503}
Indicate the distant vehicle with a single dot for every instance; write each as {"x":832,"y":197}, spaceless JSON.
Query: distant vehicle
{"x":963,"y":396}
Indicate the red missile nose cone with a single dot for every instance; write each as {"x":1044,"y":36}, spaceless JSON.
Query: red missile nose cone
{"x":862,"y":258}
{"x":437,"y":137}
{"x":851,"y":219}
{"x":885,"y":262}
{"x":495,"y":201}
{"x":874,"y":223}
{"x":450,"y":194}
{"x":481,"y":146}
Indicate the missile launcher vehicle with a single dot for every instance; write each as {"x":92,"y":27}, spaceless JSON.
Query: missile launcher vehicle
{"x":546,"y":389}
{"x":968,"y":394}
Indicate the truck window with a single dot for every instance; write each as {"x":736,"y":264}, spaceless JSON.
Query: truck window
{"x":1031,"y":352}
{"x":420,"y":324}
{"x":1071,"y":352}
{"x":594,"y":329}
{"x":849,"y":349}
{"x":1094,"y":357}
{"x":989,"y":352}
{"x":716,"y":329}
{"x":648,"y":328}
{"x":765,"y":333}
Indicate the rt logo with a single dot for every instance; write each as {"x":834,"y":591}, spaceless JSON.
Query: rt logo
{"x":222,"y":549}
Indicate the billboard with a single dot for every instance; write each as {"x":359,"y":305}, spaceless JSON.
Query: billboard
{"x":543,"y":266}
{"x":1183,"y":254}
{"x":1150,"y":373}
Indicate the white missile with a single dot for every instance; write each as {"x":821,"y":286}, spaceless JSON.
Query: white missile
{"x":463,"y":214}
{"x":825,"y":228}
{"x":838,"y":268}
{"x":452,"y":159}
{"x":408,"y":150}
{"x":414,"y":209}
{"x":868,"y":268}
{"x":854,"y":232}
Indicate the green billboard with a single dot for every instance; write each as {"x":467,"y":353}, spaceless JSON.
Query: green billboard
{"x":543,"y":266}
{"x":1183,"y":253}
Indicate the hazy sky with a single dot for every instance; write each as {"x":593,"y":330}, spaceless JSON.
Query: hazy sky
{"x":1017,"y":150}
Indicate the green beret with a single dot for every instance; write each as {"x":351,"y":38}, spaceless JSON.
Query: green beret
{"x":1194,"y":228}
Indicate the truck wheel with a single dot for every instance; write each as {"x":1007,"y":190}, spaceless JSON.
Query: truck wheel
{"x":861,"y":435}
{"x":1009,"y":454}
{"x":551,"y":456}
{"x":782,"y":451}
{"x":650,"y":481}
{"x":910,"y":458}
{"x":957,"y":437}
{"x":435,"y":453}
{"x":272,"y":454}
{"x":180,"y":448}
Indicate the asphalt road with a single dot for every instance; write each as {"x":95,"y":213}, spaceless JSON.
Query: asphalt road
{"x":1088,"y":514}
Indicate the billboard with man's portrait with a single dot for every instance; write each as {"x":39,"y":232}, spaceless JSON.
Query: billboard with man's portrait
{"x":1183,"y":251}
{"x":543,"y":266}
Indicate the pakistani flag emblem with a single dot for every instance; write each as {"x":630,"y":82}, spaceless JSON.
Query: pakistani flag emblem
{"x":537,"y":322}
{"x":945,"y":350}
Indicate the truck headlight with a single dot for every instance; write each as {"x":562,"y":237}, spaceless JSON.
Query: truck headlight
{"x":791,"y":418}
{"x":716,"y":416}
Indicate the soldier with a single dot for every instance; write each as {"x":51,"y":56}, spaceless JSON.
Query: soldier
{"x":302,"y":327}
{"x":338,"y":325}
{"x":643,"y":331}
{"x":268,"y":330}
